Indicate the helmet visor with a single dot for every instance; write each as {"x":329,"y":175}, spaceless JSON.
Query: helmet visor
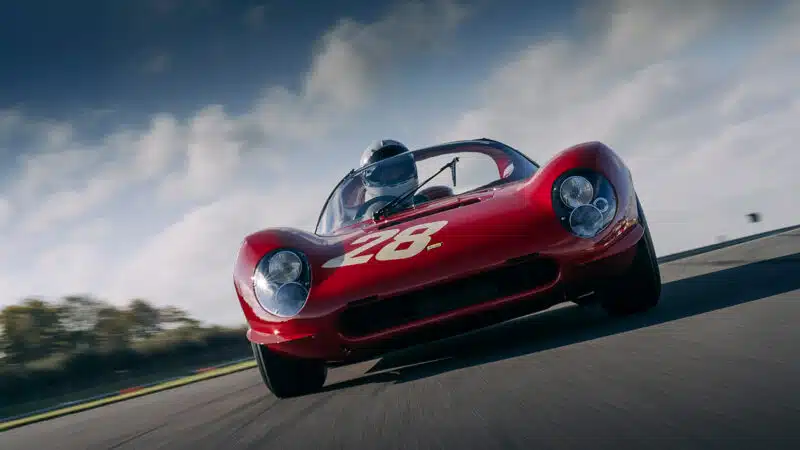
{"x":392,"y":171}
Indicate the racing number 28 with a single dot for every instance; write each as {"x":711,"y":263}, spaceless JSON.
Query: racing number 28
{"x":418,"y":236}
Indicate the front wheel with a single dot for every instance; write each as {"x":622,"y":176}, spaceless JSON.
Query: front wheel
{"x":639,"y":288}
{"x":289,"y":377}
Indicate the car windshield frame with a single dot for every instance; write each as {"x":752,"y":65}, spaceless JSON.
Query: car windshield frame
{"x":469,"y":146}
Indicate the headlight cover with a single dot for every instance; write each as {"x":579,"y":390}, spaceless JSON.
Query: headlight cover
{"x":575,"y":191}
{"x":281,"y":282}
{"x":584,"y":201}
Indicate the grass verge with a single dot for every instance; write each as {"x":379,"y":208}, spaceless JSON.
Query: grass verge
{"x":134,"y":393}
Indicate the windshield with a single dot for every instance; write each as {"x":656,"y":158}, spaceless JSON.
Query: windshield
{"x":364,"y":191}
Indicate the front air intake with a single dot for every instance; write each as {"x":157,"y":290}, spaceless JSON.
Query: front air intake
{"x":362,"y":318}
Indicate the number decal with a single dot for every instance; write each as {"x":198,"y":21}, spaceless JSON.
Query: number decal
{"x":418,"y":241}
{"x":352,"y":257}
{"x":418,"y":236}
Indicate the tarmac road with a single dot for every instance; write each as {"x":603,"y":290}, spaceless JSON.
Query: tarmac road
{"x":714,"y":366}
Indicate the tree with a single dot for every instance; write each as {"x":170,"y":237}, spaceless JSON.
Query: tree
{"x":174,"y":317}
{"x":145,"y":319}
{"x":79,"y":316}
{"x":113,"y":329}
{"x":32,"y":330}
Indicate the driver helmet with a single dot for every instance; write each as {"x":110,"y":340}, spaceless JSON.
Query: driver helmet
{"x":392,"y":177}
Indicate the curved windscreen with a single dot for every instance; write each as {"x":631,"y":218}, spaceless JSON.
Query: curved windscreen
{"x":364,"y":191}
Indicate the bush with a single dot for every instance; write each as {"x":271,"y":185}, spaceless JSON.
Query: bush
{"x":82,"y":346}
{"x":161,"y":355}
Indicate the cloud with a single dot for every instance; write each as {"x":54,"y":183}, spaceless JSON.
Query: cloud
{"x":638,"y":33}
{"x":354,"y":56}
{"x":350,"y":61}
{"x":707,"y":128}
{"x":68,"y":177}
{"x":58,"y":135}
{"x":213,"y":153}
{"x":5,"y":211}
{"x":71,"y":266}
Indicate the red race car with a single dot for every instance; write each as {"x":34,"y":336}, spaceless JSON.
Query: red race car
{"x":398,"y":259}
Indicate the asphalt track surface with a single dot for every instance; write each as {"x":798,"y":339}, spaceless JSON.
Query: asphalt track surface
{"x":714,"y":366}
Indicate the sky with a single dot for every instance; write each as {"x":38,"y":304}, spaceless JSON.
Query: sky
{"x":140,"y":141}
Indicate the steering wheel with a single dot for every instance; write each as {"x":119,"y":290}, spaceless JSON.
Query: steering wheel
{"x":368,"y":204}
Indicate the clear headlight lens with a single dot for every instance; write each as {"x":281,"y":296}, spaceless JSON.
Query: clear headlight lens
{"x":576,"y":191}
{"x":284,"y":267}
{"x":586,"y":220}
{"x":281,"y":283}
{"x":585,"y":202}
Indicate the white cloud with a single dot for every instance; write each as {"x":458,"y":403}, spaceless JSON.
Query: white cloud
{"x":213,"y":153}
{"x":59,"y":135}
{"x":5,"y":211}
{"x":353,"y":55}
{"x":71,"y":178}
{"x":70,"y":267}
{"x":708,"y":136}
{"x":75,"y":261}
{"x":155,"y":150}
{"x":350,"y":61}
{"x":639,"y":33}
{"x":68,"y":204}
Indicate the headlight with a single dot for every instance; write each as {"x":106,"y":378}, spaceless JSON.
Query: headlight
{"x":281,"y":283}
{"x":584,"y":201}
{"x":576,"y":191}
{"x":284,"y":267}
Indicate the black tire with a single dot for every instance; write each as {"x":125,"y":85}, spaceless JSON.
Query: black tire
{"x":639,"y":288}
{"x":289,"y":377}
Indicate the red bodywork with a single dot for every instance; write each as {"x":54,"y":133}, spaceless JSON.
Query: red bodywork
{"x":510,"y":234}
